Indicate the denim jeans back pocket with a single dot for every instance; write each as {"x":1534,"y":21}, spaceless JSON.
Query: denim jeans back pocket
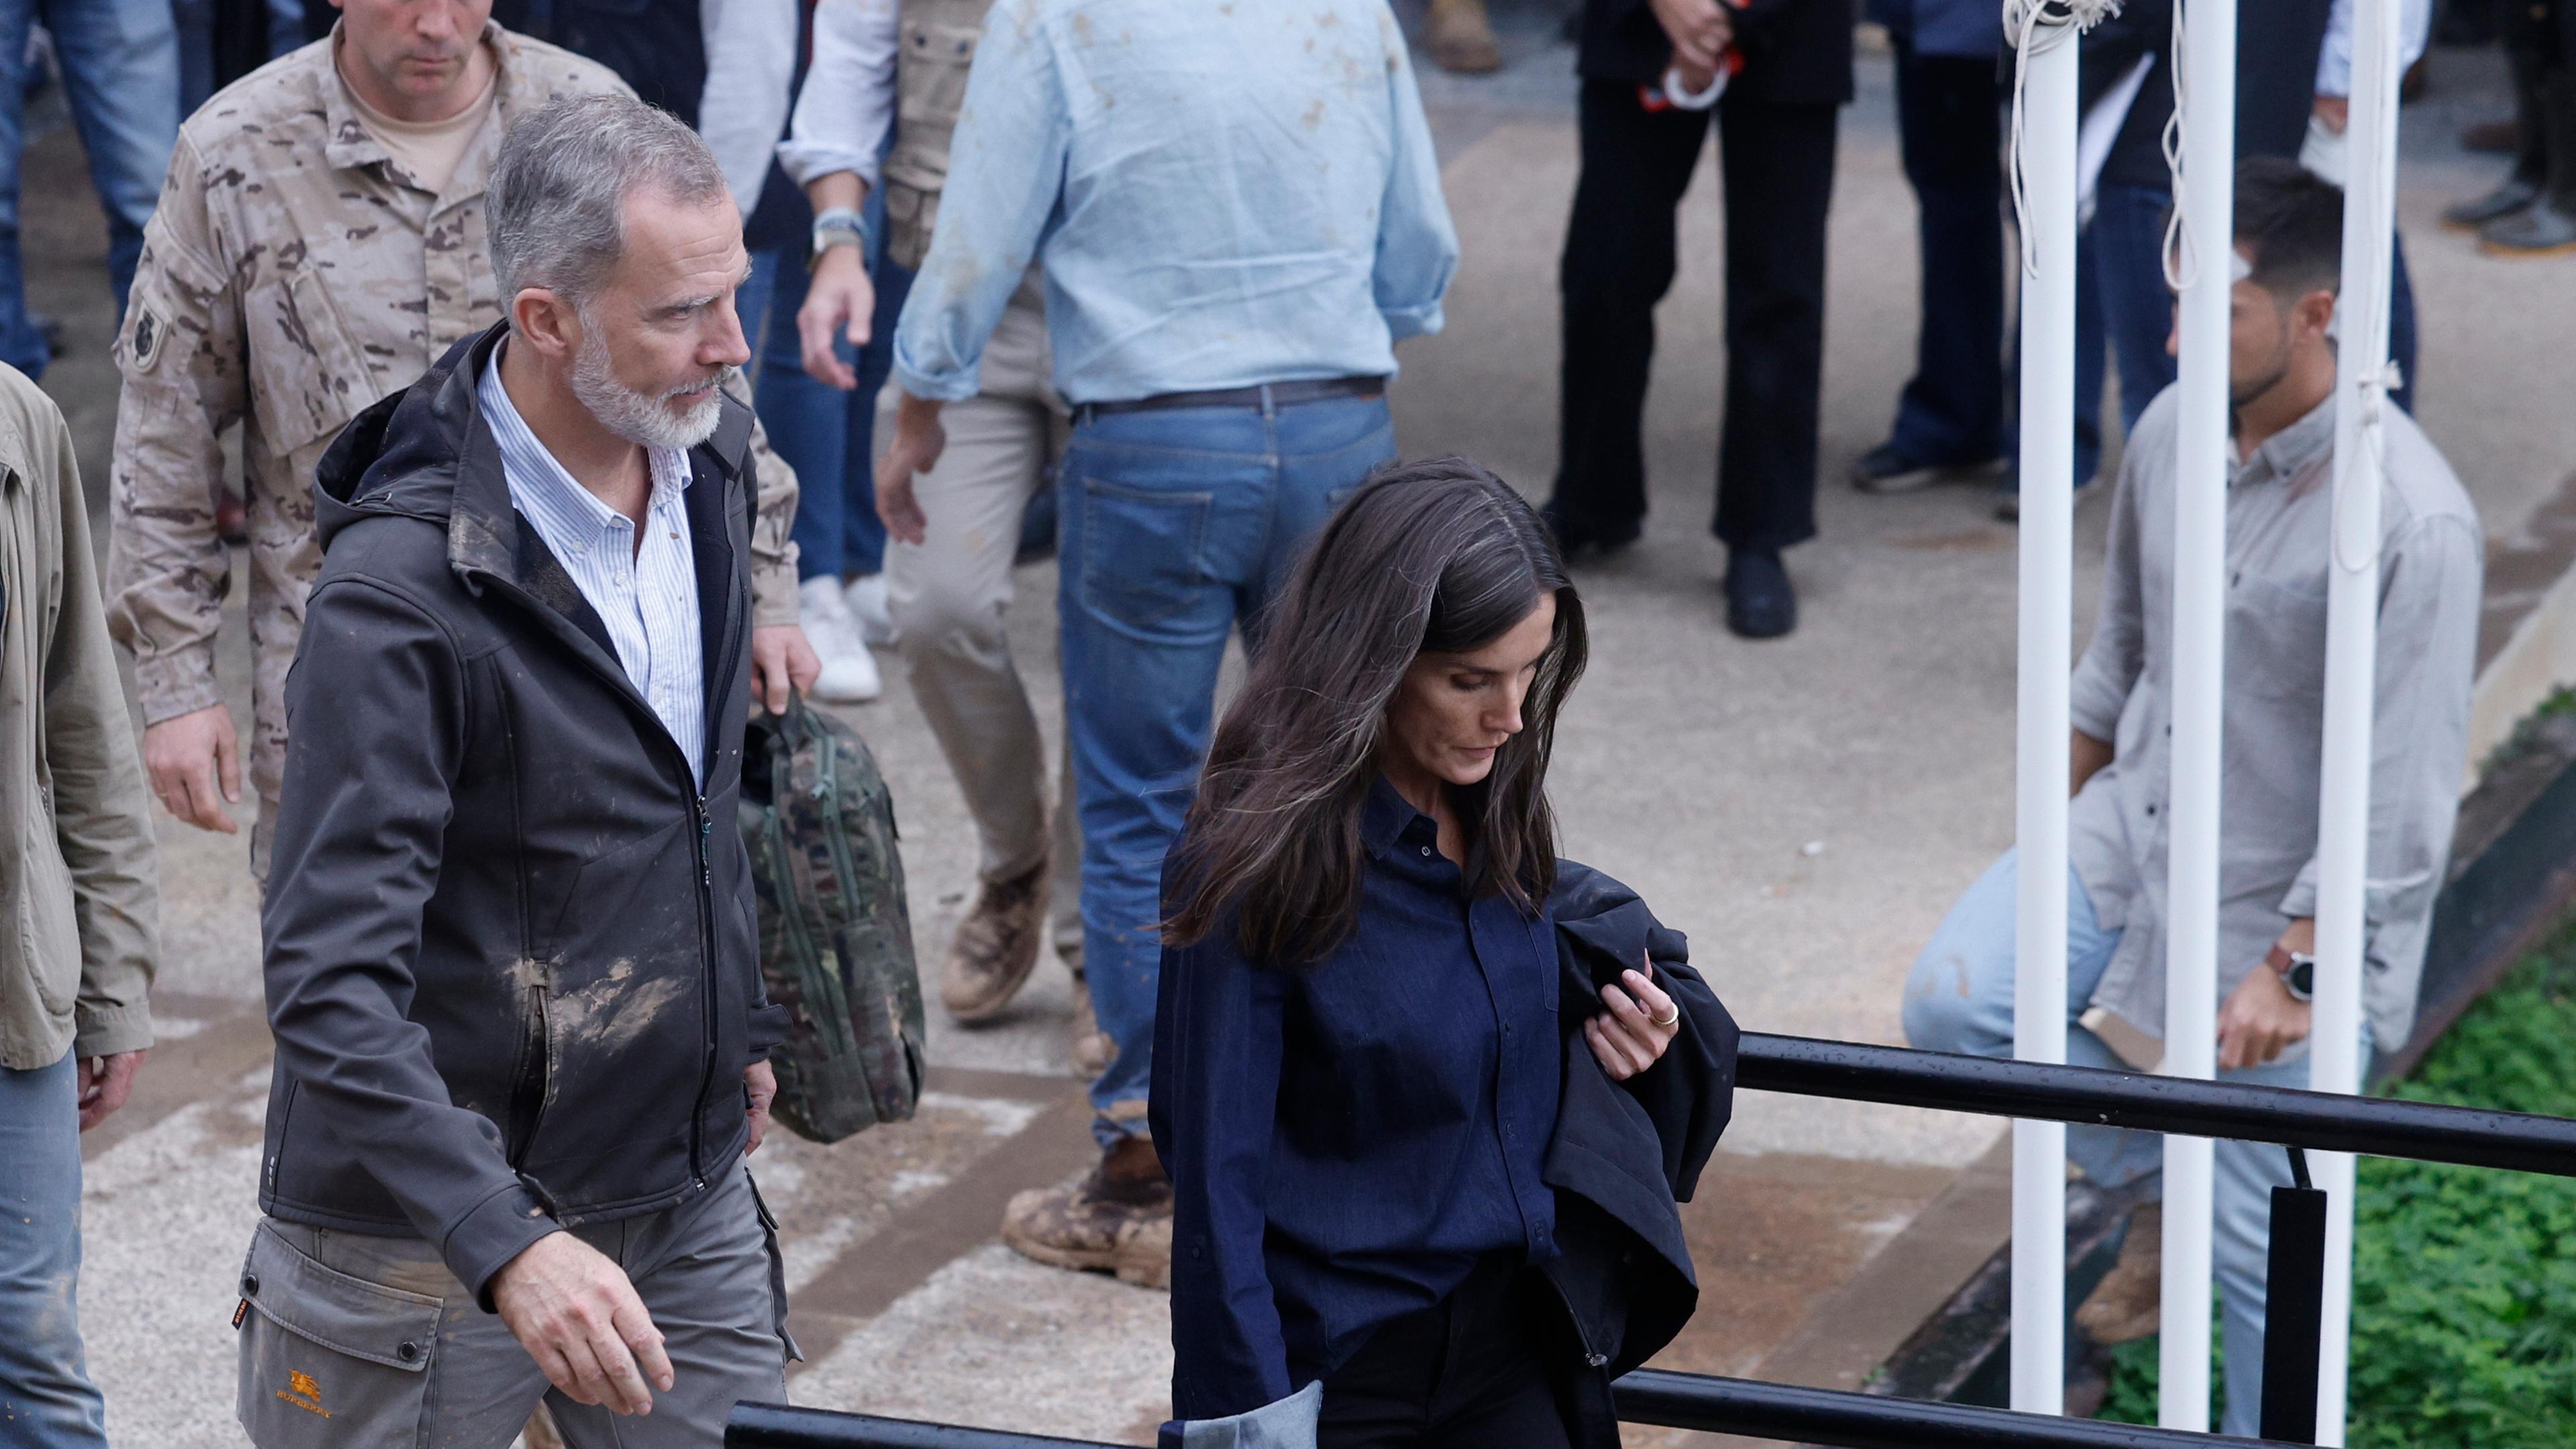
{"x":1143,"y":553}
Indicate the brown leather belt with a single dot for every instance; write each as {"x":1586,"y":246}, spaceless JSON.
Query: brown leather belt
{"x":1275,"y":394}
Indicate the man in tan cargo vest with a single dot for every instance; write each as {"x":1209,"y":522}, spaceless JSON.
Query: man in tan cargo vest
{"x":955,"y":528}
{"x":319,"y":242}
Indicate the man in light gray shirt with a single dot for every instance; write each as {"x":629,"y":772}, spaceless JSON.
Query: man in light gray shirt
{"x":2280,"y":508}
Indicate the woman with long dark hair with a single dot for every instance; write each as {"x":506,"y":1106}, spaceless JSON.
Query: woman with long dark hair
{"x":1360,"y":1058}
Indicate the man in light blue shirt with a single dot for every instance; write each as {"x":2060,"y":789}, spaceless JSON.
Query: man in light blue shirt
{"x":1237,"y":212}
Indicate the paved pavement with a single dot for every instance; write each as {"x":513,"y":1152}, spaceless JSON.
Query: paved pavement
{"x":1803,"y":809}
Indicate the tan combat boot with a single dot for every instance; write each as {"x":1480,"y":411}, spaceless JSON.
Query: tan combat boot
{"x":996,"y":946}
{"x":1462,"y":39}
{"x":1117,"y":1219}
{"x":2126,"y":1305}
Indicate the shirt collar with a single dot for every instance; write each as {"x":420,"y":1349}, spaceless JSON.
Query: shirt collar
{"x":1387,"y":817}
{"x":530,"y":467}
{"x":348,"y":144}
{"x":2293,"y":450}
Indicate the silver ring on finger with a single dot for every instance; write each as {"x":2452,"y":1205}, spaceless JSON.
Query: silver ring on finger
{"x":1673,"y":1020}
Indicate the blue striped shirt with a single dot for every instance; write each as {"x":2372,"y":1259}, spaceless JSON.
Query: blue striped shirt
{"x":647,"y":596}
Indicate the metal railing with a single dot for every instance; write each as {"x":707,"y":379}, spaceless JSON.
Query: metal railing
{"x":2294,"y":1119}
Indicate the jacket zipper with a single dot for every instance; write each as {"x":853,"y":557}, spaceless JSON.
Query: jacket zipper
{"x":706,"y":988}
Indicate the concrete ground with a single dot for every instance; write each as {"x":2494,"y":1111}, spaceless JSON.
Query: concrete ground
{"x":1804,"y":809}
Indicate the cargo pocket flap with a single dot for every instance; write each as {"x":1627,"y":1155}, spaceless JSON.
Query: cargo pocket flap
{"x":347,"y":1315}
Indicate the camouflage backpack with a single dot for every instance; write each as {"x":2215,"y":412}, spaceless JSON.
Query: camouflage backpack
{"x":835,"y":936}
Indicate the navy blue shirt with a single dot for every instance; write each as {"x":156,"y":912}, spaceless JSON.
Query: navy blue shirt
{"x":1346,"y":1141}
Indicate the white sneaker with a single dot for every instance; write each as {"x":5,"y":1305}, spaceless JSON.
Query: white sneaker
{"x":849,"y":675}
{"x":867,"y":596}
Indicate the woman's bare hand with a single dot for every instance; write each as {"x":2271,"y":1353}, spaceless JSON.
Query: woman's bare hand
{"x":1640,"y":1023}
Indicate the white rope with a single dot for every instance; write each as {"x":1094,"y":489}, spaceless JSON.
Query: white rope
{"x":2037,"y":26}
{"x":2181,"y":261}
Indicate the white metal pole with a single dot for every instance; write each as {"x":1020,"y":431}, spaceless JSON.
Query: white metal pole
{"x":2047,"y":627}
{"x":2352,"y":640}
{"x":2208,"y":206}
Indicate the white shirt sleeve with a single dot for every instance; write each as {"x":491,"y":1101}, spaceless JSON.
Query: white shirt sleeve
{"x":751,"y":66}
{"x":847,"y":106}
{"x":2334,"y":58}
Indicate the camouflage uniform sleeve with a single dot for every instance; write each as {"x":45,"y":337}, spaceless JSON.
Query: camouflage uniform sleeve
{"x":773,"y":550}
{"x":185,"y":380}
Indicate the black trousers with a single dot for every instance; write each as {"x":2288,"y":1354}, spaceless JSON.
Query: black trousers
{"x":1950,"y":132}
{"x":1778,"y":167}
{"x":1475,"y":1371}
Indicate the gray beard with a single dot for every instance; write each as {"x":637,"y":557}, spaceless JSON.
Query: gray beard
{"x":639,"y":418}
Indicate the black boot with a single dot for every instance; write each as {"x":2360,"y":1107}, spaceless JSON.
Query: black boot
{"x":1759,"y":602}
{"x":2547,"y":227}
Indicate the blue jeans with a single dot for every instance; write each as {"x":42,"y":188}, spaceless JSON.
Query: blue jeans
{"x":120,"y":63}
{"x":1177,"y":526}
{"x":46,"y":1398}
{"x":1959,"y":998}
{"x":828,"y":436}
{"x":2122,"y":304}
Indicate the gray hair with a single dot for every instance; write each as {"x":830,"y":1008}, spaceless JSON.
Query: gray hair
{"x":558,"y":192}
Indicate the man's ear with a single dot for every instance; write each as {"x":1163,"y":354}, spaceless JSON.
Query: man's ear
{"x":546,"y":322}
{"x":2315,"y":312}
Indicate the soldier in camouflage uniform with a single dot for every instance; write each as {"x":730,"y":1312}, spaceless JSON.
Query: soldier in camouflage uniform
{"x":294,"y":273}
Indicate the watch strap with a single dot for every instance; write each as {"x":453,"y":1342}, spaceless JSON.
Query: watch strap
{"x":837,"y":226}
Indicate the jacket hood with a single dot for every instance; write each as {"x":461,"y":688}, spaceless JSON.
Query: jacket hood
{"x":425,"y":452}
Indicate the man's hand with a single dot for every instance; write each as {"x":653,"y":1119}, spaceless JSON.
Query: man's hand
{"x":759,"y":1085}
{"x":576,"y":1314}
{"x":2261,"y":1017}
{"x":194,"y":760}
{"x":104,"y":1083}
{"x":918,"y":441}
{"x":1700,"y":31}
{"x":2335,"y":111}
{"x":840,"y":299}
{"x":781,"y":657}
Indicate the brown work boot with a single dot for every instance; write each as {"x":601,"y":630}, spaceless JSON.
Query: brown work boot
{"x":1462,"y":39}
{"x":1117,"y":1219}
{"x":996,"y":945}
{"x":2127,"y":1304}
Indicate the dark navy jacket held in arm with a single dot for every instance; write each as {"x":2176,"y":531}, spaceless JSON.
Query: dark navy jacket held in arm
{"x":1626,"y":1154}
{"x":1347,"y":1140}
{"x":511,"y":961}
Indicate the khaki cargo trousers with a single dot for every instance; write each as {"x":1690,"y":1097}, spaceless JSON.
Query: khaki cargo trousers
{"x":359,"y":1342}
{"x":949,"y":594}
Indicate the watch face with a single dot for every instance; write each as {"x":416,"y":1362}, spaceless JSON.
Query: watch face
{"x":2303,"y":977}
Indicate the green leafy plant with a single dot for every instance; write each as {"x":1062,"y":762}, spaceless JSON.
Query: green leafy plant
{"x":2464,"y":1280}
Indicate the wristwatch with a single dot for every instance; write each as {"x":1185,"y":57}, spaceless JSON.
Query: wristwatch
{"x":839,"y":226}
{"x":2297,"y":970}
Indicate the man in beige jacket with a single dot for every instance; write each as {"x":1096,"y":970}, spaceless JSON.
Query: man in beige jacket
{"x":79,"y":913}
{"x":319,"y":242}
